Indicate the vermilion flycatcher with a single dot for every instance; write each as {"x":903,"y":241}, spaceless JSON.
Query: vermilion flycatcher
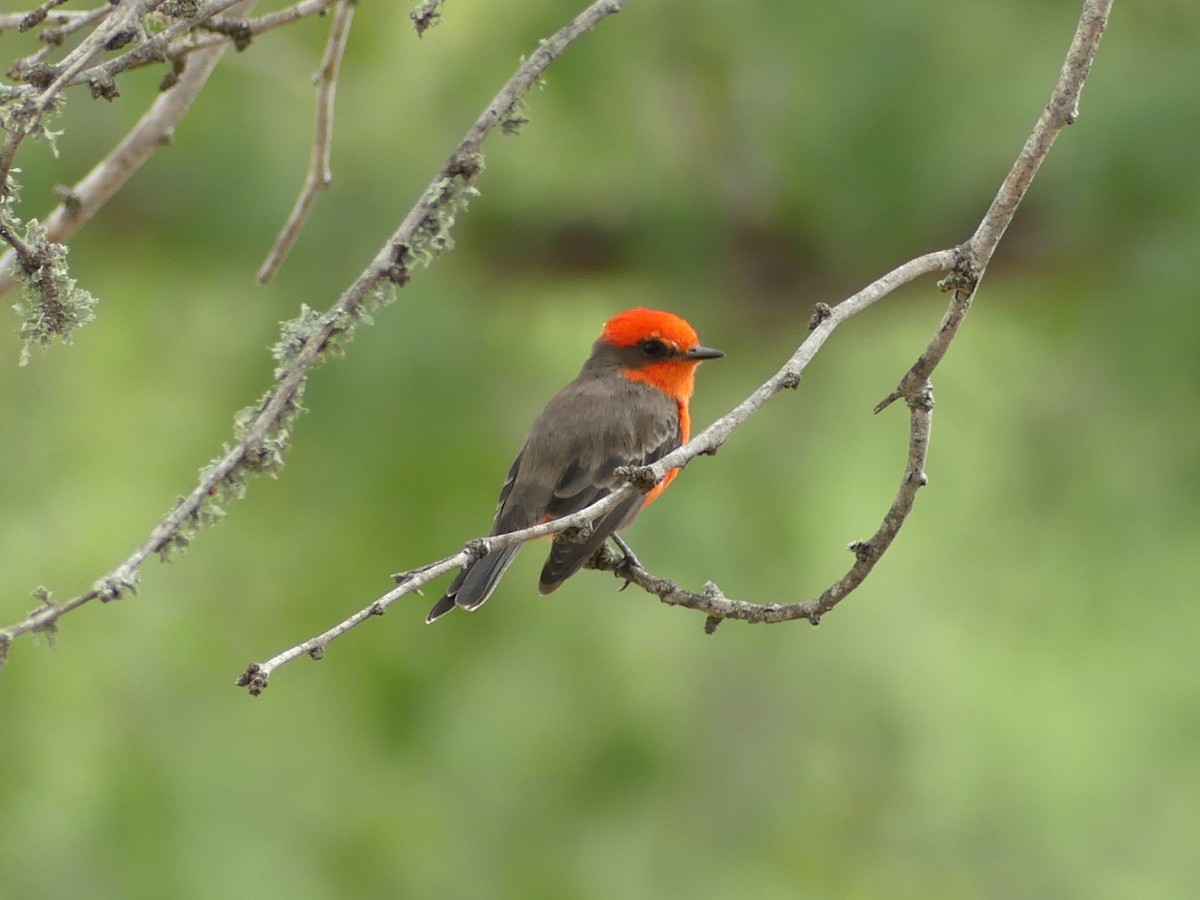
{"x":627,"y":407}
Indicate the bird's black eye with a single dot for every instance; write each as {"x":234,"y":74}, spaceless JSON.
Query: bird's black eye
{"x":655,"y":349}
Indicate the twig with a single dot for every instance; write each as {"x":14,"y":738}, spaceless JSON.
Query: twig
{"x":390,"y":265}
{"x":117,"y":31}
{"x":155,"y":129}
{"x":1062,"y":110}
{"x":252,"y":27}
{"x":968,"y":262}
{"x":33,"y":18}
{"x":61,"y":25}
{"x":155,"y":48}
{"x":320,"y":173}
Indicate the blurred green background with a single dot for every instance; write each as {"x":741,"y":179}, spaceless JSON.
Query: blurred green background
{"x":1010,"y":707}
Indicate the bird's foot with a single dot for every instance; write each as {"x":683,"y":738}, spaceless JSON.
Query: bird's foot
{"x":629,"y":562}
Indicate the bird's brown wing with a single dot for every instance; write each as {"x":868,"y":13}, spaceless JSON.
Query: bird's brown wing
{"x":588,"y":479}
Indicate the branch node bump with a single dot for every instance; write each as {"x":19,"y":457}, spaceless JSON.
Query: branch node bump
{"x":114,"y":587}
{"x":641,"y":477}
{"x":954,"y":281}
{"x":71,"y":202}
{"x":121,"y":39}
{"x":426,"y":15}
{"x":103,"y":86}
{"x":921,"y":399}
{"x":466,"y":166}
{"x":40,"y":75}
{"x":862,"y":550}
{"x":577,"y":534}
{"x":33,"y":19}
{"x":235,"y":29}
{"x":397,"y":273}
{"x":254,"y":679}
{"x":964,"y":277}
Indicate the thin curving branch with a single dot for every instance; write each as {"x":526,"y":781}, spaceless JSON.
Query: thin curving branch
{"x":263,"y":429}
{"x":707,"y":442}
{"x":968,"y":263}
{"x":719,"y":607}
{"x":320,"y":171}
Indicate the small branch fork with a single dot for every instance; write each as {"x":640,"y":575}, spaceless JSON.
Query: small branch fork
{"x":966,"y":265}
{"x":193,"y":57}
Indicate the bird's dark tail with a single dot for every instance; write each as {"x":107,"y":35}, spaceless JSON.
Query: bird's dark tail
{"x":475,"y":583}
{"x":566,"y":557}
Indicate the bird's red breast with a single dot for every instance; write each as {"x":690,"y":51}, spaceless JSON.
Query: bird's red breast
{"x":674,"y":374}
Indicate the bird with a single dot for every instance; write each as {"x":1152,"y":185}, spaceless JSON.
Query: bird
{"x":627,"y":407}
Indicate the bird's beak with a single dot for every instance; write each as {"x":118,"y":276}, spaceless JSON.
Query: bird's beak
{"x":699,"y":353}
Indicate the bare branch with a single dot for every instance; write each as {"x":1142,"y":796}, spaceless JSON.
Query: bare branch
{"x":419,"y":237}
{"x":320,"y":173}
